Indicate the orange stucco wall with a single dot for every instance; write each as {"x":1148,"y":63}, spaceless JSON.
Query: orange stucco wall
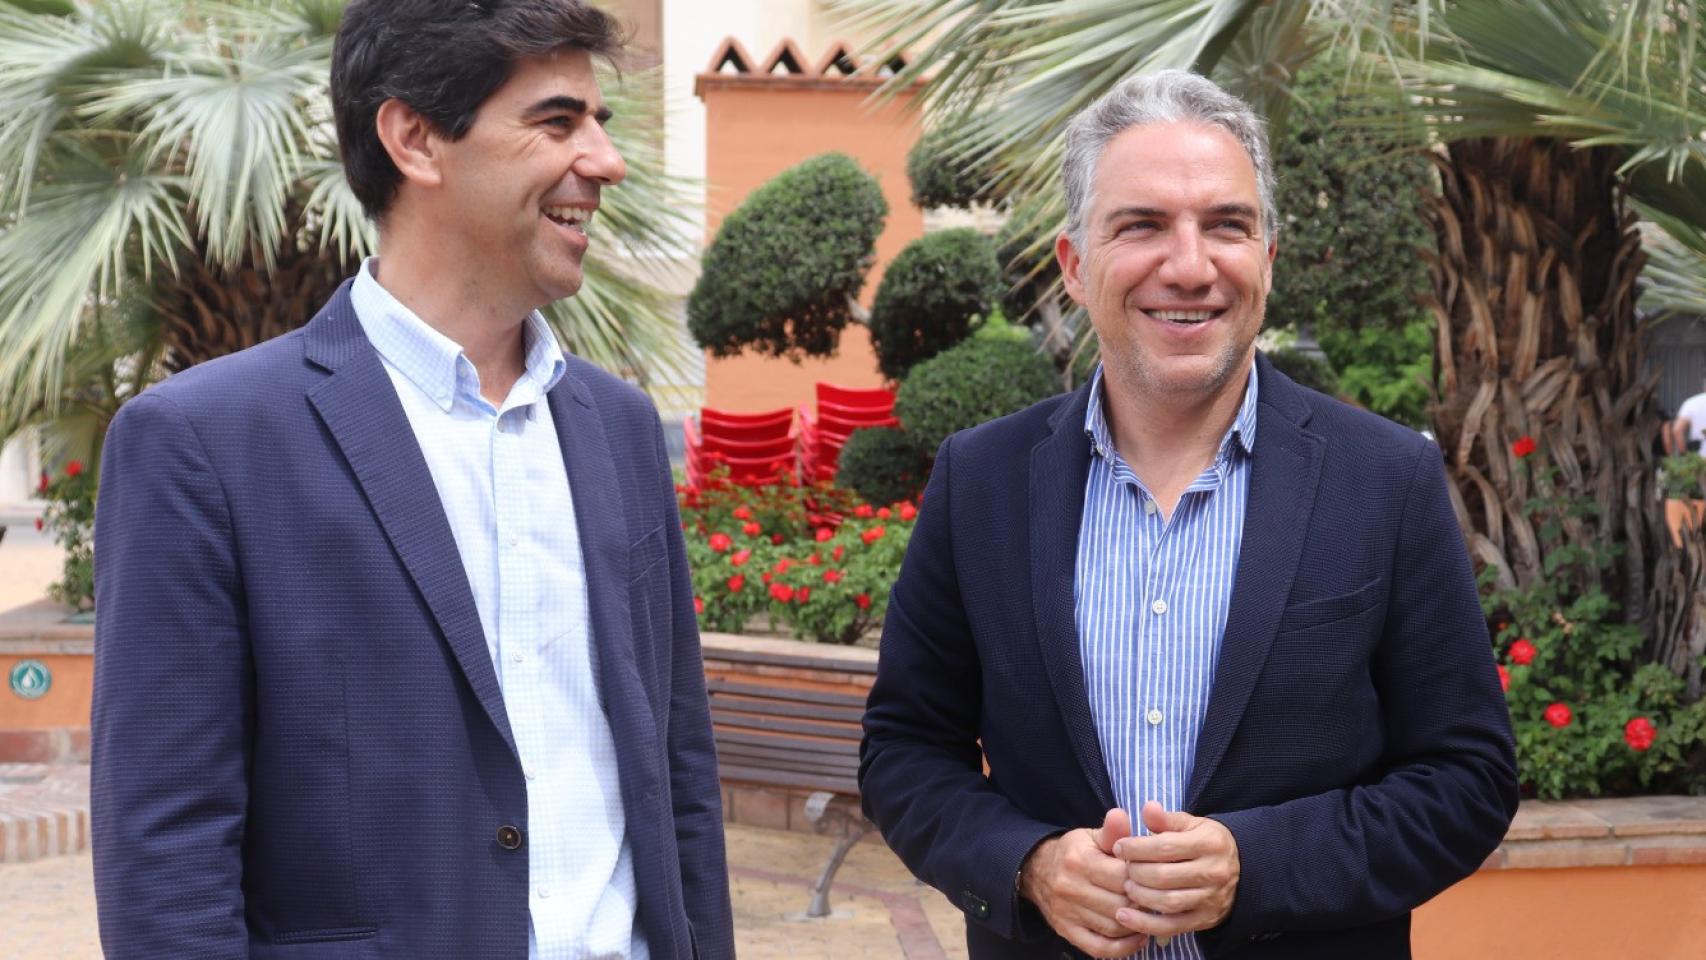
{"x":1650,"y":913}
{"x":755,"y":129}
{"x":66,"y":703}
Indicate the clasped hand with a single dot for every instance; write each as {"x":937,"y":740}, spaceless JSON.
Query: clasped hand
{"x":1108,"y":892}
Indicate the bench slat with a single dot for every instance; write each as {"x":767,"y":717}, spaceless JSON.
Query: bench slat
{"x":843,"y":747}
{"x":845,"y":786}
{"x":796,"y":760}
{"x":783,"y":694}
{"x":748,"y":721}
{"x":804,"y":711}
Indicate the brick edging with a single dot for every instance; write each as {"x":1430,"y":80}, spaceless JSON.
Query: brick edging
{"x":44,"y":813}
{"x":1624,"y":832}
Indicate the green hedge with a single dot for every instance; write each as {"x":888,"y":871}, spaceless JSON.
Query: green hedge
{"x":981,"y":379}
{"x":883,"y":465}
{"x":941,"y":179}
{"x":780,"y":273}
{"x":930,"y":297}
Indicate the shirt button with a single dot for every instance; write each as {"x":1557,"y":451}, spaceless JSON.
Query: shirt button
{"x":528,"y":772}
{"x":1159,"y":606}
{"x":518,"y":657}
{"x":514,"y":540}
{"x":544,"y":893}
{"x":1150,"y":508}
{"x":1154,"y":717}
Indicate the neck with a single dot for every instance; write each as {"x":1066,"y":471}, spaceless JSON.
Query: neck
{"x":1169,"y":439}
{"x":430,"y":278}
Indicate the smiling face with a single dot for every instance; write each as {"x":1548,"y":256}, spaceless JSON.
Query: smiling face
{"x":520,"y":189}
{"x":1174,"y":269}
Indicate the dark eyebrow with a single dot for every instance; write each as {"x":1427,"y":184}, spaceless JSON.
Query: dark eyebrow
{"x":566,"y":104}
{"x":1219,"y":210}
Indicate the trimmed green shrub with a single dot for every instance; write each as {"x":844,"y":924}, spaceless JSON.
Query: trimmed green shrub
{"x":883,"y":465}
{"x":941,"y":179}
{"x":1307,"y":369}
{"x":930,"y":297}
{"x":979,"y":380}
{"x":784,"y":267}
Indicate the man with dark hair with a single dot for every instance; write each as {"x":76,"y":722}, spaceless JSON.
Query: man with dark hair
{"x":395,"y":650}
{"x":1215,"y":634}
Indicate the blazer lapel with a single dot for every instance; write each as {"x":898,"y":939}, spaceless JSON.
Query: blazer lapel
{"x":1060,"y":465}
{"x":1284,"y":470}
{"x":359,"y":405}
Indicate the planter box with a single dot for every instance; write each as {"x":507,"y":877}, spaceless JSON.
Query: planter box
{"x":54,"y":727}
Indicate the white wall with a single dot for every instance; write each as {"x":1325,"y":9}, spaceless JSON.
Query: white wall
{"x":20,"y":470}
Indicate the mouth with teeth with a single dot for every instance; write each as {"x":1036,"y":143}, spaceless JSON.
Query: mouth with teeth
{"x":1185,"y":318}
{"x":573,"y":219}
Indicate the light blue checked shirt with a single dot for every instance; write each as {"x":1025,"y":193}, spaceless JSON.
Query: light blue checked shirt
{"x":500,"y":475}
{"x":1150,"y":600}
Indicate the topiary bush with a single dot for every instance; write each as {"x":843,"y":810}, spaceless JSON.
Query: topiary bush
{"x":940,"y":179}
{"x":782,"y":274}
{"x":931,"y":296}
{"x":981,"y":379}
{"x":883,"y":465}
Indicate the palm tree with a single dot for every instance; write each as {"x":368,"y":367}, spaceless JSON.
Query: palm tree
{"x":1552,"y":121}
{"x":170,"y":191}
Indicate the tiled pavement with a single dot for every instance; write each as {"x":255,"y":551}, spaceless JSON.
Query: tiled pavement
{"x":47,"y":907}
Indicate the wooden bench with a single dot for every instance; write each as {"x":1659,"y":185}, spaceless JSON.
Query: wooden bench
{"x":792,"y":722}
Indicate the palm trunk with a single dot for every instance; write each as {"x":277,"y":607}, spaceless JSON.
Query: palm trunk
{"x":1534,"y":296}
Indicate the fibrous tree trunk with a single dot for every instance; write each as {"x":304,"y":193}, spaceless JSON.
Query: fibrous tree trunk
{"x":207,"y":311}
{"x":1534,"y":289}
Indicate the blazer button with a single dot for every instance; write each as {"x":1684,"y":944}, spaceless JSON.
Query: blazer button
{"x":509,"y":837}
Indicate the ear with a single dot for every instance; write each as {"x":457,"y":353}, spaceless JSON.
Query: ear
{"x":1268,"y":267}
{"x":411,"y":141}
{"x":1070,"y":265}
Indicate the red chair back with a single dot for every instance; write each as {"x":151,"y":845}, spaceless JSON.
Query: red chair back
{"x":856,"y":398}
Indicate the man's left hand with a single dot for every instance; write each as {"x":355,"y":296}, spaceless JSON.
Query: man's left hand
{"x":1182,"y":877}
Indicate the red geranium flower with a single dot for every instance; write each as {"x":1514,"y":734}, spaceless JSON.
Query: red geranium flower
{"x":39,"y":524}
{"x":766,"y":576}
{"x":781,"y":592}
{"x":824,"y":533}
{"x":1559,"y":715}
{"x":874,"y":534}
{"x":908,"y":511}
{"x":736,"y":582}
{"x":743,"y":512}
{"x":883,"y":513}
{"x":838,"y":551}
{"x":1504,"y":679}
{"x":783,"y":564}
{"x":699,"y":606}
{"x":863,"y":511}
{"x":1523,"y":446}
{"x":1522,"y":652}
{"x":803,"y":594}
{"x":740,"y":556}
{"x":74,"y":468}
{"x":776,"y":539}
{"x":43,"y":487}
{"x":832,"y":576}
{"x":751,"y":528}
{"x":816,"y":559}
{"x":721,"y":542}
{"x":1639,"y":733}
{"x":863,"y":601}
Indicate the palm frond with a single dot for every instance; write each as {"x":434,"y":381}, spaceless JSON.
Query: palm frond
{"x":1675,"y":274}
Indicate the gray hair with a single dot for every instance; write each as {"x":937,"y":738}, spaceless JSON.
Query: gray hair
{"x":1165,"y":96}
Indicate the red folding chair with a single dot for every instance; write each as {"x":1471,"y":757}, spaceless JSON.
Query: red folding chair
{"x":853,"y":397}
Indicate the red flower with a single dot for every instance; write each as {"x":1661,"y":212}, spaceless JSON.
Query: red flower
{"x":721,"y":542}
{"x":1504,"y":679}
{"x":838,"y":551}
{"x":743,"y":512}
{"x":1522,"y":652}
{"x":43,"y":487}
{"x":816,"y":559}
{"x":736,"y":582}
{"x":1639,"y":733}
{"x":783,"y":564}
{"x":1559,"y":715}
{"x":74,"y":468}
{"x":874,"y":534}
{"x":863,"y":601}
{"x":781,"y":592}
{"x":740,"y":556}
{"x":803,"y":594}
{"x":766,"y":576}
{"x":863,"y":511}
{"x":699,"y":606}
{"x":1523,"y":446}
{"x":832,"y":576}
{"x":751,"y":528}
{"x":883,"y":513}
{"x":824,"y":533}
{"x":776,"y":538}
{"x":908,"y":511}
{"x":39,"y":524}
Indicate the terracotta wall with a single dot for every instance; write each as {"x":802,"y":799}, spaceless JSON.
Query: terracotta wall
{"x":759,"y":125}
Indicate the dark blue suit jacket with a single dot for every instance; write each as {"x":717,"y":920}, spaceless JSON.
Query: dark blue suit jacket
{"x":1356,"y":742}
{"x":300,"y":746}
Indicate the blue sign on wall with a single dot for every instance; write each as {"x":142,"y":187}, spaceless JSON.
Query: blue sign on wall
{"x":31,"y":679}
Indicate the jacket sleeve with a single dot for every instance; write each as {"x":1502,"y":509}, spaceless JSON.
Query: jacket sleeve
{"x":694,"y":786}
{"x":1368,"y":852}
{"x":173,"y":692}
{"x":921,"y":774}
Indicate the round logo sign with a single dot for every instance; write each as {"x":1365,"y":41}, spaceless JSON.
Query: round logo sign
{"x":31,"y":679}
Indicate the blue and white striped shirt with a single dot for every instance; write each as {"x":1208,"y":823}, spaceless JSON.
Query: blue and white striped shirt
{"x":1150,"y":600}
{"x":500,"y":475}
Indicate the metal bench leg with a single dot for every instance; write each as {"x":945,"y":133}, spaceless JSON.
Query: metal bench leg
{"x":851,"y":832}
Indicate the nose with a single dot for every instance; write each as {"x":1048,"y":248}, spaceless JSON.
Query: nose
{"x":1188,"y":265}
{"x":600,"y":160}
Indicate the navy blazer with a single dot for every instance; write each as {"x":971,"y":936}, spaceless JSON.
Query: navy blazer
{"x":300,"y":745}
{"x":1356,"y":742}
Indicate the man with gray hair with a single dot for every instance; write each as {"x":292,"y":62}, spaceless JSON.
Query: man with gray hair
{"x":1188,"y":662}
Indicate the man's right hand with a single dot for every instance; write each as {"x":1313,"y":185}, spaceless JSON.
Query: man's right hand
{"x":1078,"y":884}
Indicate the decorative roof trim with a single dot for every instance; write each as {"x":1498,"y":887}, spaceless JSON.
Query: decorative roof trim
{"x":840,"y":67}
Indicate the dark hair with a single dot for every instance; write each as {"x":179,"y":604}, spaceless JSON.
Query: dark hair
{"x":443,"y":58}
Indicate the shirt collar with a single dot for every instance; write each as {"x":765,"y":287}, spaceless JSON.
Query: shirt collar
{"x":436,"y":364}
{"x":1242,"y":431}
